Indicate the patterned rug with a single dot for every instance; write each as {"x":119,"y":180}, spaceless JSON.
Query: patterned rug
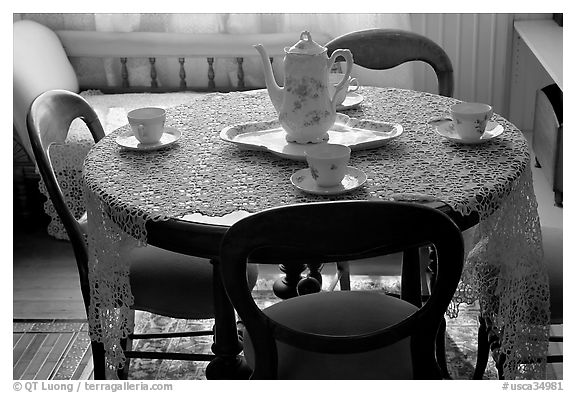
{"x":461,"y":338}
{"x":60,"y":349}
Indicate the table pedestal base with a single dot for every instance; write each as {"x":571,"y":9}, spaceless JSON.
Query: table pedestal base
{"x":292,"y":283}
{"x":285,"y":287}
{"x":228,"y":367}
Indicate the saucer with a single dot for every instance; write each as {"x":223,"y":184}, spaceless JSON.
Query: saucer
{"x":128,"y":141}
{"x":352,"y":100}
{"x":445,"y":128}
{"x":303,"y":180}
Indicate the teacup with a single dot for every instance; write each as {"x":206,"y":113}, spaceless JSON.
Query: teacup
{"x":327,"y":163}
{"x":334,"y":78}
{"x":147,"y":124}
{"x":470,"y":119}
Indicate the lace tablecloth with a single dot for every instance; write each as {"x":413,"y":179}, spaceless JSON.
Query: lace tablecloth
{"x":203,"y":174}
{"x":69,"y":157}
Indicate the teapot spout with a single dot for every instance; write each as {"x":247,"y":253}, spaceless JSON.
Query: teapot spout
{"x":274,"y":91}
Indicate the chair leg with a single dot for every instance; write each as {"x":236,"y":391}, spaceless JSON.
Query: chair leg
{"x":344,"y":270}
{"x":228,"y":364}
{"x":126,"y":345}
{"x":500,"y":366}
{"x":122,"y":373}
{"x":411,"y":288}
{"x":483,"y":349}
{"x":441,"y":350}
{"x":558,"y":198}
{"x":99,"y":359}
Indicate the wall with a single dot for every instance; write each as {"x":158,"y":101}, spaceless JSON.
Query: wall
{"x":480,"y":46}
{"x":481,"y":49}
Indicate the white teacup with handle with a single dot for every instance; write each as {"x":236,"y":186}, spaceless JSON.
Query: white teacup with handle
{"x":147,"y":124}
{"x":334,"y":79}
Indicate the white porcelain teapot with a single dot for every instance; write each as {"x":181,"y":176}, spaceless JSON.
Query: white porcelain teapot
{"x":305,"y":109}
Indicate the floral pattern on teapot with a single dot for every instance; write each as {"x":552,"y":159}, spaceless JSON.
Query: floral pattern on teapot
{"x":305,"y":109}
{"x":305,"y":89}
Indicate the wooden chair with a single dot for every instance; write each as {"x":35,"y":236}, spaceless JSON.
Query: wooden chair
{"x":552,"y":241}
{"x":162,"y":282}
{"x":381,"y":49}
{"x":547,"y":140}
{"x":342,"y":334}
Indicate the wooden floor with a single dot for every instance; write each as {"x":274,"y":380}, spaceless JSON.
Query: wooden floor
{"x":45,"y":279}
{"x":56,"y":350}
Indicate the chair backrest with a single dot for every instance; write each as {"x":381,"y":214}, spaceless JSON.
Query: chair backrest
{"x":381,"y":49}
{"x":48,"y":120}
{"x":40,"y":64}
{"x":341,"y":231}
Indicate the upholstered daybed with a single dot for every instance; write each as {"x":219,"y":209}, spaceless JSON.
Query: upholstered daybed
{"x":140,"y":69}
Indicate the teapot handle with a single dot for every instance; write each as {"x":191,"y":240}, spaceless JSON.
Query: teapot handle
{"x":347,"y":55}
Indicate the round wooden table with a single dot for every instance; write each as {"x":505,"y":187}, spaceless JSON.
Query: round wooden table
{"x":184,"y":198}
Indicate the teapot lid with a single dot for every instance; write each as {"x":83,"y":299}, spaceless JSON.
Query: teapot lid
{"x":306,"y":46}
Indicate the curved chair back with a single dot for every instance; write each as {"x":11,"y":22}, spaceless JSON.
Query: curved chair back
{"x":48,"y":120}
{"x":162,"y":282}
{"x":40,"y":64}
{"x":343,"y":231}
{"x":381,"y":49}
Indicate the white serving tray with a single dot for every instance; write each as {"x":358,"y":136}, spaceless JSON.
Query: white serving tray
{"x":270,"y":136}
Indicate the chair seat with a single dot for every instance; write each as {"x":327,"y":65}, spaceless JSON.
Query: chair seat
{"x":162,"y":281}
{"x":340,"y":313}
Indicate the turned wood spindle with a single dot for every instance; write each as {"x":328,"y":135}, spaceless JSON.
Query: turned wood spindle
{"x":211,"y":83}
{"x":240,"y":72}
{"x":182,"y":73}
{"x":153,"y":74}
{"x":124,"y":72}
{"x":285,"y":287}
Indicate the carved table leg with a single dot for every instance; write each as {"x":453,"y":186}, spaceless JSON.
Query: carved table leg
{"x":314,"y":269}
{"x":228,"y":364}
{"x":292,"y":284}
{"x":285,"y":287}
{"x":312,"y":283}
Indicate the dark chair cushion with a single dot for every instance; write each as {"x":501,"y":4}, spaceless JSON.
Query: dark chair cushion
{"x":340,"y":313}
{"x":173,"y":284}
